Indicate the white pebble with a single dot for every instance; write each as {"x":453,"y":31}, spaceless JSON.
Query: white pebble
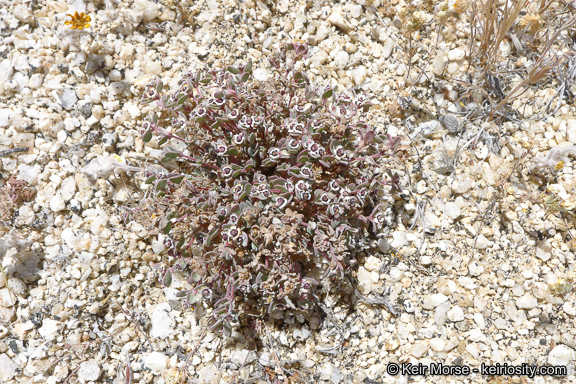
{"x":89,"y":370}
{"x":341,"y":59}
{"x":155,"y":361}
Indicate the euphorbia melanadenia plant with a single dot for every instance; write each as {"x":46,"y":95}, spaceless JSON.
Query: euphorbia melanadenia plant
{"x":268,"y":181}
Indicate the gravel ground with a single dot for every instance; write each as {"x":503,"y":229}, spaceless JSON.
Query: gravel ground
{"x":478,"y":260}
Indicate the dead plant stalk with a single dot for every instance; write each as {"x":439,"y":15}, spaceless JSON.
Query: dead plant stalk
{"x":540,"y":69}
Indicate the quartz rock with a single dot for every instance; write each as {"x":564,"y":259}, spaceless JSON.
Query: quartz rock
{"x":162,"y":322}
{"x":527,"y":302}
{"x":149,"y":9}
{"x":544,"y":250}
{"x":561,"y":355}
{"x":341,"y":59}
{"x":23,"y":14}
{"x":337,"y":20}
{"x":50,"y":329}
{"x":89,"y":370}
{"x":155,"y":361}
{"x":68,"y":99}
{"x":456,"y":314}
{"x":8,"y":368}
{"x":5,"y":116}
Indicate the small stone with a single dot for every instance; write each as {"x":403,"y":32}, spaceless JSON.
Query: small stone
{"x":242,"y":356}
{"x":456,"y":54}
{"x":261,"y":74}
{"x":527,"y":302}
{"x":359,"y":75}
{"x":68,"y":99}
{"x":68,"y":188}
{"x":57,"y":203}
{"x":117,"y":88}
{"x":437,"y":344}
{"x":23,"y":14}
{"x":50,"y":329}
{"x":85,"y":108}
{"x":158,"y":244}
{"x":341,"y":59}
{"x":570,"y":308}
{"x":149,"y":9}
{"x":479,"y":320}
{"x":24,"y":140}
{"x":283,"y":6}
{"x":399,"y":239}
{"x":109,"y":139}
{"x":337,"y":20}
{"x":89,"y":370}
{"x":115,"y":75}
{"x":18,"y":82}
{"x":5,"y":117}
{"x":383,"y":245}
{"x":438,"y":64}
{"x":319,"y":58}
{"x":456,"y":314}
{"x":28,"y":173}
{"x":209,"y":374}
{"x":540,"y":290}
{"x":561,"y":355}
{"x":366,"y":280}
{"x":419,"y":349}
{"x":70,"y":238}
{"x":8,"y":368}
{"x":372,"y":264}
{"x":544,"y":250}
{"x":162,"y":322}
{"x":462,"y":183}
{"x":388,"y":46}
{"x":432,"y":301}
{"x":477,"y":335}
{"x":452,"y":210}
{"x":475,"y":269}
{"x":482,"y":242}
{"x":156,"y":362}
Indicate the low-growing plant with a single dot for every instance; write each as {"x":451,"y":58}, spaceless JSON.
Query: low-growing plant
{"x":269,"y":181}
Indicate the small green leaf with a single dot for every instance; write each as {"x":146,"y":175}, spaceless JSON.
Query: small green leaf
{"x":206,"y":80}
{"x":196,"y":276}
{"x":151,"y":179}
{"x":147,"y":136}
{"x":177,"y":180}
{"x":327,"y":94}
{"x":161,"y":185}
{"x":233,"y":151}
{"x":233,"y":70}
{"x":248,"y":68}
{"x":182,"y":99}
{"x":181,"y":294}
{"x":163,"y":140}
{"x":217,"y":325}
{"x":159,"y":87}
{"x":168,"y":227}
{"x":244,"y":77}
{"x":168,"y":278}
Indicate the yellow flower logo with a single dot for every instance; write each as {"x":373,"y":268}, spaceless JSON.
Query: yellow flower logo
{"x":79,"y":21}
